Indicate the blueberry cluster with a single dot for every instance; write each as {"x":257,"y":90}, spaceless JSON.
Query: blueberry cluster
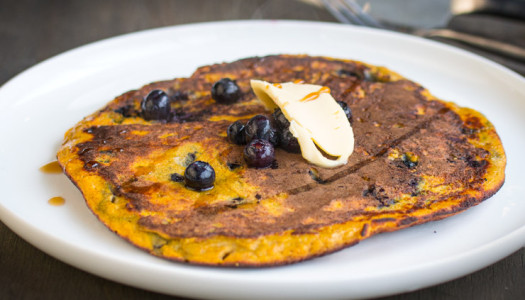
{"x":157,"y":104}
{"x":261,"y":135}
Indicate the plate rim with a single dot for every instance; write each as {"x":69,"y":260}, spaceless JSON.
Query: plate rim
{"x":22,"y":228}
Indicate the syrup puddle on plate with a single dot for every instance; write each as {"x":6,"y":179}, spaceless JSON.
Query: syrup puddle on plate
{"x":57,"y":201}
{"x":53,"y":168}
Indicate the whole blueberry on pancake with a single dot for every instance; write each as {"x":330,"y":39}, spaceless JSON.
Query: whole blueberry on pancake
{"x":259,"y":154}
{"x":156,"y":106}
{"x":288,"y":142}
{"x":280,"y":119}
{"x":226,"y":91}
{"x":260,"y":127}
{"x":235,"y":133}
{"x":199,"y":176}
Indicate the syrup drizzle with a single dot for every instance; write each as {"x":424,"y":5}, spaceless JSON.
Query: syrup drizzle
{"x":57,"y":201}
{"x":51,"y":168}
{"x":314,"y":95}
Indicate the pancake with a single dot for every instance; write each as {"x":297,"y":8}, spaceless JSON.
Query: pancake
{"x":416,"y":159}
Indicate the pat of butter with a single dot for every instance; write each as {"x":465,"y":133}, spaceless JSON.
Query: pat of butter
{"x":316,"y":120}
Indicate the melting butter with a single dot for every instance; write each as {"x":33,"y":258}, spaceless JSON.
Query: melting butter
{"x":316,"y":120}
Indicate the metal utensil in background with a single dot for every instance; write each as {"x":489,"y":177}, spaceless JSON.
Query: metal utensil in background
{"x":461,"y":30}
{"x":497,"y":20}
{"x":507,"y":8}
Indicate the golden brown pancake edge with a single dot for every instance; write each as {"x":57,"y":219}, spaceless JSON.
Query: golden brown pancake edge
{"x":294,"y":212}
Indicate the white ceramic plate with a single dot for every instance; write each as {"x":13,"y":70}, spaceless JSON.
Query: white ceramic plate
{"x":40,"y":104}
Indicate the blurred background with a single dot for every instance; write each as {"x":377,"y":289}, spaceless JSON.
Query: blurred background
{"x":32,"y":30}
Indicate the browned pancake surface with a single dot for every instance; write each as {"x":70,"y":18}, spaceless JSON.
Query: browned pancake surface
{"x":416,"y":159}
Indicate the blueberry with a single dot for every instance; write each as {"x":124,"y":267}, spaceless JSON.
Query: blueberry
{"x":347,"y":110}
{"x":199,"y":176}
{"x":226,"y":91}
{"x":156,"y":106}
{"x":260,"y":127}
{"x":286,"y":139}
{"x":351,"y":73}
{"x":289,"y":142}
{"x":259,"y":154}
{"x":236,"y":133}
{"x":364,"y":74}
{"x":280,"y":119}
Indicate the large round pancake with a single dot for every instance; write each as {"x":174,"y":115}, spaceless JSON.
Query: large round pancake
{"x":416,"y":159}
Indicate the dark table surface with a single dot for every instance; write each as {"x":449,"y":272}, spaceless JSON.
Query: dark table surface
{"x":32,"y":31}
